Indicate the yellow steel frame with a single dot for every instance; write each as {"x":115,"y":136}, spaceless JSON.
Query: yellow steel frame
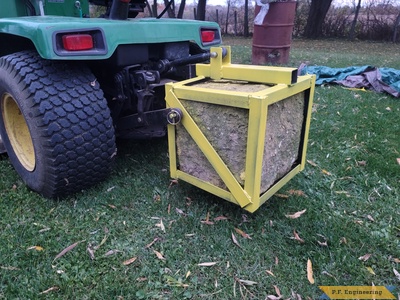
{"x":285,"y":83}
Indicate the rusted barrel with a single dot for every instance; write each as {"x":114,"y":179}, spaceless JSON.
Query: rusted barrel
{"x":272,"y":39}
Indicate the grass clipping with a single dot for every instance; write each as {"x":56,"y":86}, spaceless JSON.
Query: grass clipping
{"x":226,"y":128}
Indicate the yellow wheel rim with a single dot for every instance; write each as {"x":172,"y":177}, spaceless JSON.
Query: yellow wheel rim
{"x":18,"y":132}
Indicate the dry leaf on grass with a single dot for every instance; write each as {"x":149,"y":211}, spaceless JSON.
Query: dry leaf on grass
{"x":270,"y":273}
{"x":90,"y":251}
{"x":9,"y":268}
{"x":277,"y":291}
{"x":398,"y":161}
{"x":111,"y":252}
{"x":37,"y":248}
{"x":397,"y":274}
{"x":151,"y":243}
{"x":207,"y":220}
{"x":299,"y":193}
{"x":327,"y":274}
{"x":371,"y":270}
{"x":365,"y":257}
{"x":297,"y":237}
{"x":310,"y":275}
{"x":296,"y":215}
{"x":207,"y":264}
{"x":326,"y":172}
{"x":180,"y":211}
{"x":312,"y":163}
{"x":66,"y":250}
{"x":159,"y":255}
{"x":234,"y":240}
{"x":161,"y":225}
{"x":273,"y":297}
{"x":129,"y":261}
{"x":220,"y":218}
{"x":242,"y":233}
{"x":247,"y":282}
{"x":53,"y":288}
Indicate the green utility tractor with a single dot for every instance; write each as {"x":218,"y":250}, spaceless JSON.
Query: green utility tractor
{"x":70,"y":84}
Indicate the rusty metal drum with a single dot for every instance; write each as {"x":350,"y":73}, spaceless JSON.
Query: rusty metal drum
{"x":272,"y":39}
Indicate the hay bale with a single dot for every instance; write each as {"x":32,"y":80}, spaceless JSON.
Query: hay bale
{"x":226,"y":129}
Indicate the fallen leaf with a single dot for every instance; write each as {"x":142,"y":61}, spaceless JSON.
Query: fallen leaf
{"x":273,"y":297}
{"x":312,"y":163}
{"x":180,"y":211}
{"x":247,"y":282}
{"x":37,"y":248}
{"x":369,"y":217}
{"x":161,"y":225}
{"x":396,"y":260}
{"x":330,"y":275}
{"x":151,"y":243}
{"x":129,"y":261}
{"x":9,"y":268}
{"x":277,"y":291}
{"x":220,"y":218}
{"x":371,"y":270}
{"x":276,"y":260}
{"x":296,"y":215}
{"x":270,"y":273}
{"x":53,"y":288}
{"x":310,"y":276}
{"x":66,"y":250}
{"x":297,"y":193}
{"x":141,"y":279}
{"x":207,"y":264}
{"x":111,"y":252}
{"x":207,"y":220}
{"x":242,"y":233}
{"x":187,"y":274}
{"x":90,"y":251}
{"x":173,"y":182}
{"x":365,"y":257}
{"x":235,"y":240}
{"x":159,"y":255}
{"x":361,"y":163}
{"x":397,"y":274}
{"x":398,"y":161}
{"x":297,"y":237}
{"x":326,"y":172}
{"x":324,"y":243}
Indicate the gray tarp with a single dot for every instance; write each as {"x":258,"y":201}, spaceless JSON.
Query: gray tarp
{"x":368,"y":77}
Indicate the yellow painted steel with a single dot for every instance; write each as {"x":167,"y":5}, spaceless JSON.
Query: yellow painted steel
{"x":283,"y":82}
{"x":18,"y":132}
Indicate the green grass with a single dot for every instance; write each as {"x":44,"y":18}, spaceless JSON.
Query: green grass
{"x":350,"y":190}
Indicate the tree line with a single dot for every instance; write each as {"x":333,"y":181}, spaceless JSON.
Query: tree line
{"x":361,"y":19}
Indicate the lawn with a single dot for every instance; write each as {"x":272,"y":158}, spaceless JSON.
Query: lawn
{"x":140,"y":236}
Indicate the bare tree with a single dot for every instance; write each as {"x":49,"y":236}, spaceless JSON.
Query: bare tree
{"x":354,"y":23}
{"x":246,"y":19}
{"x":316,"y":17}
{"x":201,"y":10}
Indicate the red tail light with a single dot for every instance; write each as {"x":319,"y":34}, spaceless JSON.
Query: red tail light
{"x":77,"y":42}
{"x":207,"y":36}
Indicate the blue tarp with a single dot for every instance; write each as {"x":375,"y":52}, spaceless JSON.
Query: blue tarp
{"x":369,"y":77}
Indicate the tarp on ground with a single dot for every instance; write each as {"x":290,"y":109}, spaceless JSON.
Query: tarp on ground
{"x":368,"y":77}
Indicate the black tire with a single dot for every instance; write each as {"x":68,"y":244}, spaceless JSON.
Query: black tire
{"x":55,"y":124}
